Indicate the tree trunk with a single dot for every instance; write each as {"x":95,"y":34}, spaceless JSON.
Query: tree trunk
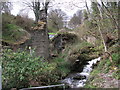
{"x":105,"y":47}
{"x":87,"y":7}
{"x":119,"y":22}
{"x":101,"y":18}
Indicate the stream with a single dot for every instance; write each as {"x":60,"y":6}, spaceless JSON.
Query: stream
{"x":77,"y":80}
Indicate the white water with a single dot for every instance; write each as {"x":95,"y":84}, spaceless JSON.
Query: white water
{"x":78,"y":80}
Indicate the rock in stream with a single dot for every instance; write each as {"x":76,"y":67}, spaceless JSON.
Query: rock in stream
{"x":77,"y":80}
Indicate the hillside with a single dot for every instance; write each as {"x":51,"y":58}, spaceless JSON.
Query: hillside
{"x":82,"y":52}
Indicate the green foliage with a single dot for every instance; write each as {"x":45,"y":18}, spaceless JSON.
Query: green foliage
{"x":14,"y":28}
{"x":116,"y":58}
{"x":90,"y":86}
{"x":116,"y":74}
{"x":106,"y":20}
{"x":85,"y":44}
{"x":63,"y":67}
{"x":11,"y":27}
{"x":80,"y":47}
{"x":116,"y":62}
{"x":20,"y":69}
{"x":91,"y":24}
{"x":105,"y":67}
{"x":79,"y":50}
{"x":108,"y":65}
{"x":115,"y":49}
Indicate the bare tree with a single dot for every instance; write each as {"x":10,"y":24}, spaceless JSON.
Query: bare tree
{"x":24,"y":13}
{"x":87,"y":7}
{"x":97,"y":12}
{"x":110,"y":14}
{"x":76,"y":20}
{"x":56,"y":19}
{"x":38,"y":8}
{"x":6,"y":7}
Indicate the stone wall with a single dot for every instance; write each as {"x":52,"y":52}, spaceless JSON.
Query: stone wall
{"x":40,"y":43}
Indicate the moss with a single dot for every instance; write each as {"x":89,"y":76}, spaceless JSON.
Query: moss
{"x":14,"y":34}
{"x":69,"y":36}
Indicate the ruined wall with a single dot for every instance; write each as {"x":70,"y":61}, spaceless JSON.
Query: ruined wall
{"x":39,"y":37}
{"x":40,"y":41}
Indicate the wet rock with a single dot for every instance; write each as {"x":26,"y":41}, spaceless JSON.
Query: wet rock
{"x":77,"y":80}
{"x":79,"y":77}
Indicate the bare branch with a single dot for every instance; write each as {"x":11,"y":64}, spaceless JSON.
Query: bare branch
{"x":109,"y":14}
{"x":87,"y":7}
{"x":77,"y":6}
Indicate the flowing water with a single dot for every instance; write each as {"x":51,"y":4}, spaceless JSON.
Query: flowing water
{"x":77,"y":80}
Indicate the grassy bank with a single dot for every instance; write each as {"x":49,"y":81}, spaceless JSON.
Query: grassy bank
{"x":106,"y":74}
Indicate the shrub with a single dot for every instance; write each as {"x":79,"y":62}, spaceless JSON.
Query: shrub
{"x":116,"y":58}
{"x":24,"y":22}
{"x":63,"y":67}
{"x":7,"y":19}
{"x":19,"y":68}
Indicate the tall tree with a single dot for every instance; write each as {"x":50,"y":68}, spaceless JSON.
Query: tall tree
{"x":56,"y":19}
{"x":98,"y":17}
{"x":6,"y":7}
{"x":104,"y":15}
{"x":111,"y":10}
{"x":95,"y":10}
{"x":85,"y":15}
{"x":76,"y":19}
{"x":86,"y":5}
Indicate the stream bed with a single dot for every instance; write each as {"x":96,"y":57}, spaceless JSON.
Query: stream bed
{"x":77,"y":80}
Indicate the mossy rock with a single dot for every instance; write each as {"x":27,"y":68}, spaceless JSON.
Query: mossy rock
{"x":70,"y":37}
{"x":14,"y":35}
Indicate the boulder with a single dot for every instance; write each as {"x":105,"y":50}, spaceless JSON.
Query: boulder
{"x":62,"y":38}
{"x":14,"y":35}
